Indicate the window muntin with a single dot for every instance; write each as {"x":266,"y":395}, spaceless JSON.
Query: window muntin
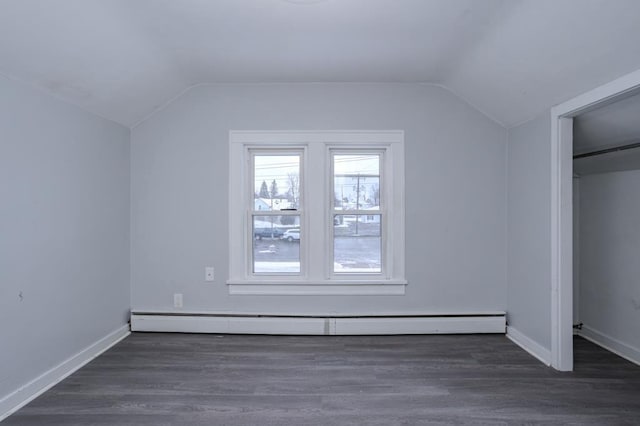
{"x":357,"y":246}
{"x":275,"y":212}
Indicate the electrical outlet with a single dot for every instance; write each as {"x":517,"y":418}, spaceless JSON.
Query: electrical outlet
{"x":177,"y":300}
{"x":208,"y":273}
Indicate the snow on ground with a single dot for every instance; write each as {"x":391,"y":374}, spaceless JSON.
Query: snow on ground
{"x":294,"y":267}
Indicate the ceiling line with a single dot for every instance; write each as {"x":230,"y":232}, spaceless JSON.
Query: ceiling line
{"x":166,"y":104}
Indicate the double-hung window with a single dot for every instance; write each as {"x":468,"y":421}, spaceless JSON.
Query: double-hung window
{"x":276,"y":211}
{"x":316,"y":212}
{"x":357,"y":214}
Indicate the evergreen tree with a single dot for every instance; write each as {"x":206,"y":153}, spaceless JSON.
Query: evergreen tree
{"x":264,"y":192}
{"x":274,"y":189}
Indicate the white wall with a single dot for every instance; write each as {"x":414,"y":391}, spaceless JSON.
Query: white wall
{"x":529,"y":227}
{"x":64,"y":232}
{"x":610,"y":259}
{"x":576,"y":249}
{"x":455,"y":209}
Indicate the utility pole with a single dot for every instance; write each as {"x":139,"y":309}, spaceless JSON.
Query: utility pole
{"x":357,"y":202}
{"x":271,"y":217}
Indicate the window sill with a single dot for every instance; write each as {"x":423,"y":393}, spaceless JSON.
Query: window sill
{"x":317,"y":288}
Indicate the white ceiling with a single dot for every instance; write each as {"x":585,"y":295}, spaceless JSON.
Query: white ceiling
{"x":123,"y":59}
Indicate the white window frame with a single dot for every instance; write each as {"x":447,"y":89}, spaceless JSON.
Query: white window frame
{"x":317,"y":277}
{"x":251,"y":211}
{"x":342,"y":150}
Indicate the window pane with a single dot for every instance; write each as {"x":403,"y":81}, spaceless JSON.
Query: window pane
{"x":356,"y":182}
{"x":276,"y":244}
{"x":357,"y":243}
{"x":276,"y":182}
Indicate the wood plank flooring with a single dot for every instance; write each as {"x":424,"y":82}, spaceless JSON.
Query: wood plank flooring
{"x":199,"y":379}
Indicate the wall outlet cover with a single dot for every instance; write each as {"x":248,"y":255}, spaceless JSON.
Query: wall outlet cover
{"x":208,"y":273}
{"x":177,"y":300}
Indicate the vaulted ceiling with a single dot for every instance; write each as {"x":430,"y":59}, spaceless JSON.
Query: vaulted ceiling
{"x":511,"y":59}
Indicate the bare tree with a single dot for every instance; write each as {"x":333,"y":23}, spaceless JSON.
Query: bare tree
{"x":375,"y":190}
{"x":293,"y":195}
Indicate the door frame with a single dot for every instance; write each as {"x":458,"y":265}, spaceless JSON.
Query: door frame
{"x":562,"y":210}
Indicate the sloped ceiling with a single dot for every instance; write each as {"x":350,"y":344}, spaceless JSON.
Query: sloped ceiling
{"x":123,"y":59}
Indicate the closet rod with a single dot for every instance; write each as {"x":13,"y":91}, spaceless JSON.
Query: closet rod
{"x":608,"y":150}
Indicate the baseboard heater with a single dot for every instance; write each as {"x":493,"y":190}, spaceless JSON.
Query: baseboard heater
{"x":184,"y":322}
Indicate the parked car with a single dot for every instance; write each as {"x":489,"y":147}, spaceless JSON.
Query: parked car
{"x":291,"y":235}
{"x":260,"y":233}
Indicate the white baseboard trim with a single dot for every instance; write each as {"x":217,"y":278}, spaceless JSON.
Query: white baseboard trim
{"x":301,"y":325}
{"x":28,"y":392}
{"x":534,"y":348}
{"x":611,"y":344}
{"x":420,"y":325}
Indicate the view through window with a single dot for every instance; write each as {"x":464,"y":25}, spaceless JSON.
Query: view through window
{"x":356,"y":214}
{"x":276,"y":213}
{"x":357,"y":217}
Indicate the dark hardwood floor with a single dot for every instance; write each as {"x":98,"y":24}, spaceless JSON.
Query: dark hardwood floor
{"x":200,"y":379}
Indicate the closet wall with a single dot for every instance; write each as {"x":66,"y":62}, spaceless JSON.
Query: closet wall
{"x":608,"y":260}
